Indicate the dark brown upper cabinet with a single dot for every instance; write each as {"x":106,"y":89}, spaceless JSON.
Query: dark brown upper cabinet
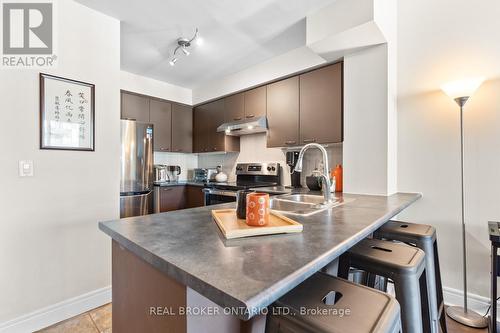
{"x":321,"y":105}
{"x":160,"y":115}
{"x":207,"y":118}
{"x":255,"y":102}
{"x":234,"y":107}
{"x":182,"y":128}
{"x":283,"y":113}
{"x":134,"y":107}
{"x":216,"y":140}
{"x":200,"y":129}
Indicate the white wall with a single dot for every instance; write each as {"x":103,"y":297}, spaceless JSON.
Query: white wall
{"x":50,"y":245}
{"x":151,"y":87}
{"x":440,"y":41}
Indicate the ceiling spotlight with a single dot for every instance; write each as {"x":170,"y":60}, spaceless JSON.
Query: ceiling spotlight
{"x":250,"y":127}
{"x":228,"y":131}
{"x":183,"y":44}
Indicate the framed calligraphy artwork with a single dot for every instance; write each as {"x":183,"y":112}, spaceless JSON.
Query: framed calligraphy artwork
{"x":66,"y":114}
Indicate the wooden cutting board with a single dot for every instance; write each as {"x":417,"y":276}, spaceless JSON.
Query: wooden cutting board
{"x":232,"y":227}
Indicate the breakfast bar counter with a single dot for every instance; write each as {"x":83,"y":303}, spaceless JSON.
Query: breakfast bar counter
{"x":186,"y":251}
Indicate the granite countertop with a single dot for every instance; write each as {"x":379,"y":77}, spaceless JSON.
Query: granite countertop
{"x":250,"y":273}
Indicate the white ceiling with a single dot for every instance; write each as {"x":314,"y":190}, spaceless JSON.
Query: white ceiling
{"x":236,"y":34}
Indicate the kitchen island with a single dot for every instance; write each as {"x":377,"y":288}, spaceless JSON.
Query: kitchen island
{"x":166,"y":263}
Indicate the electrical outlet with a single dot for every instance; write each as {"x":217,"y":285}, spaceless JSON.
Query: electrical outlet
{"x":26,"y":168}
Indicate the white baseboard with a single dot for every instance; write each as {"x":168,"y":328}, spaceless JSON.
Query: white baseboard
{"x":72,"y":307}
{"x":475,"y":302}
{"x":57,"y":312}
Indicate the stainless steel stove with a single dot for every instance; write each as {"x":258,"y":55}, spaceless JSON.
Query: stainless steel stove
{"x":248,"y":175}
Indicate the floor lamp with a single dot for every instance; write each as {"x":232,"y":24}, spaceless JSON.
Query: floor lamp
{"x":461,"y":91}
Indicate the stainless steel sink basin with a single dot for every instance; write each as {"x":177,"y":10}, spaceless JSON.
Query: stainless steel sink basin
{"x":306,"y":198}
{"x":300,"y":204}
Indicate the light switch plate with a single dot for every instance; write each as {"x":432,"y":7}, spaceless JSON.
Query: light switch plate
{"x":26,"y":168}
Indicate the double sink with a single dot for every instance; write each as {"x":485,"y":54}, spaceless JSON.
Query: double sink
{"x":301,"y":204}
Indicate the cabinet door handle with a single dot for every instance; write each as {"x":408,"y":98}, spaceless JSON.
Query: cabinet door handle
{"x":165,"y":189}
{"x":250,"y":116}
{"x":215,"y":148}
{"x":177,"y":150}
{"x":238,"y":118}
{"x":291,"y":142}
{"x":309,"y":140}
{"x":167,"y":149}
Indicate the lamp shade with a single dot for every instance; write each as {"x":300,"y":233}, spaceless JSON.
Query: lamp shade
{"x":462,"y":88}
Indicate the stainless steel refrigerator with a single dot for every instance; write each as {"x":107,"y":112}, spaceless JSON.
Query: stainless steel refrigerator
{"x":136,"y":184}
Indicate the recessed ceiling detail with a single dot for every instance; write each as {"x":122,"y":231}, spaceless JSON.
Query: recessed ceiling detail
{"x":237,"y":34}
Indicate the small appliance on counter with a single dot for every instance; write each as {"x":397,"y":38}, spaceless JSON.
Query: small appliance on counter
{"x":291,"y":161}
{"x":313,"y":181}
{"x":160,"y":171}
{"x":173,"y":172}
{"x":211,"y":173}
{"x":204,"y":175}
{"x":221,"y":176}
{"x":200,"y":175}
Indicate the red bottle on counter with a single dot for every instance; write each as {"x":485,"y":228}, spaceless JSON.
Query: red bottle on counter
{"x":337,"y":173}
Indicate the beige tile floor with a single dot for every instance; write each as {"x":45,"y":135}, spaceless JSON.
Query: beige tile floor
{"x":99,"y":321}
{"x":95,"y":321}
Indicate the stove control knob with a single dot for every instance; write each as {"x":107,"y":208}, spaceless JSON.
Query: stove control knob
{"x":273,"y":168}
{"x":268,"y":168}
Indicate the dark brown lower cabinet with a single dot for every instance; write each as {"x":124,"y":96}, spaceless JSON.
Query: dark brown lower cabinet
{"x":172,"y":198}
{"x":180,"y":197}
{"x":194,"y":196}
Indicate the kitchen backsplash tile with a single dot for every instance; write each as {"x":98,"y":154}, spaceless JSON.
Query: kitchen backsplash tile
{"x":187,"y":162}
{"x":253,"y":149}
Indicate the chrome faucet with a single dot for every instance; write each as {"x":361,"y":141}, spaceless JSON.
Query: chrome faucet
{"x":325,"y":178}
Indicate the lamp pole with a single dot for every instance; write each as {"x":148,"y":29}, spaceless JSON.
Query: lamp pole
{"x":457,"y":313}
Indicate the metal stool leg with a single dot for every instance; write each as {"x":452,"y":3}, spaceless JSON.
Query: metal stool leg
{"x":408,"y":296}
{"x":439,"y":290}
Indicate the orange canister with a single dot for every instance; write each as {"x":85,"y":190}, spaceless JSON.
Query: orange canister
{"x":337,"y":173}
{"x":257,"y":209}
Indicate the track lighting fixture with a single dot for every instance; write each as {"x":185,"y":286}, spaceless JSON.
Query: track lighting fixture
{"x":183,"y":44}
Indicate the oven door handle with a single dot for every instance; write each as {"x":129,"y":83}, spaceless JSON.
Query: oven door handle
{"x":219,"y":192}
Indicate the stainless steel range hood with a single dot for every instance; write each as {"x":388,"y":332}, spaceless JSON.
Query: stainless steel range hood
{"x":245,"y":126}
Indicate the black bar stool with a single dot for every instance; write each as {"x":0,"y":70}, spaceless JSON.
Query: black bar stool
{"x":324,"y":303}
{"x":405,"y":266}
{"x":424,"y":237}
